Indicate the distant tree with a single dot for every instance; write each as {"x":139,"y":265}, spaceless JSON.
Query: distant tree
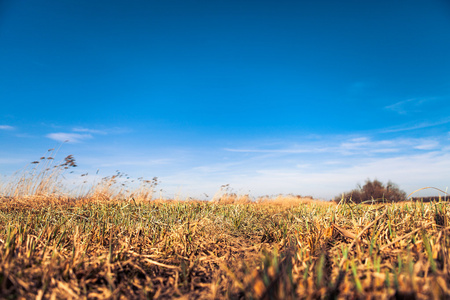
{"x":394,"y":193}
{"x":374,"y":190}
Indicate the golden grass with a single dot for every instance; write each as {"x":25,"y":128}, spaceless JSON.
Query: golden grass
{"x":108,"y":245}
{"x":98,"y":249}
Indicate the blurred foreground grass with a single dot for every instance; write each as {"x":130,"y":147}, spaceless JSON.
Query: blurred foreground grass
{"x":285,"y":248}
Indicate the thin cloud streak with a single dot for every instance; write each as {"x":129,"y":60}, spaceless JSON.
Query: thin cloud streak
{"x":138,"y":162}
{"x":417,"y":126}
{"x":350,"y":146}
{"x":70,"y":137}
{"x":408,"y":106}
{"x":400,"y":107}
{"x":289,"y":151}
{"x":78,"y":135}
{"x":6,"y":127}
{"x":94,"y":131}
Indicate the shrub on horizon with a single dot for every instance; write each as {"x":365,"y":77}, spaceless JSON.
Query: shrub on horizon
{"x":374,"y":190}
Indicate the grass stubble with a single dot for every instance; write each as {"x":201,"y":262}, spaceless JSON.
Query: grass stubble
{"x":108,"y":245}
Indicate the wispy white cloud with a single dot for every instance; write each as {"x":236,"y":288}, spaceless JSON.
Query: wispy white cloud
{"x":427,"y":145}
{"x":366,"y":145}
{"x":88,"y":130}
{"x":292,"y":150}
{"x":421,"y":125}
{"x":6,"y":127}
{"x":140,"y":162}
{"x":70,"y":137}
{"x":362,"y":145}
{"x":303,"y":166}
{"x":386,"y":146}
{"x":400,"y":107}
{"x":77,"y":135}
{"x":410,"y":105}
{"x":386,"y":150}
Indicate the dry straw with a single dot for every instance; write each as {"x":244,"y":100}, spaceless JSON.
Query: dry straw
{"x":111,"y":243}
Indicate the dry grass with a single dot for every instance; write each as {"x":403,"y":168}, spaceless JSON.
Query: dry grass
{"x":103,"y":246}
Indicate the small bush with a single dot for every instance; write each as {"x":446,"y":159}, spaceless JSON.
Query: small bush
{"x":374,"y":190}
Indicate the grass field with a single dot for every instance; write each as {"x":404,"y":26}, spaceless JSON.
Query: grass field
{"x":105,"y":246}
{"x":86,"y":248}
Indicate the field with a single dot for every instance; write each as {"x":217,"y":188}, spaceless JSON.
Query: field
{"x":288,"y":248}
{"x":108,"y":245}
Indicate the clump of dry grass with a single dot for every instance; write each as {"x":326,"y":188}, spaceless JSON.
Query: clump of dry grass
{"x":232,"y":198}
{"x":103,"y":246}
{"x":290,"y":200}
{"x":116,"y":188}
{"x":40,"y":178}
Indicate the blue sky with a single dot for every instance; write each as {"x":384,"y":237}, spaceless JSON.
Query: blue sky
{"x":303,"y":97}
